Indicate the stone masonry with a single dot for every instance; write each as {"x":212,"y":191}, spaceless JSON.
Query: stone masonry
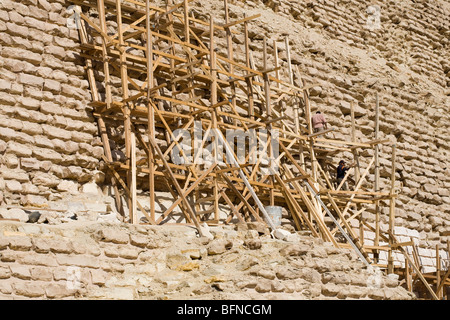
{"x":49,"y":146}
{"x":82,"y":260}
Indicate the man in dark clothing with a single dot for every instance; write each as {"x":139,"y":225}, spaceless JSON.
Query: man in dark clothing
{"x":341,"y":172}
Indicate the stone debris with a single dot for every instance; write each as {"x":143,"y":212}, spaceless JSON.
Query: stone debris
{"x":122,"y":261}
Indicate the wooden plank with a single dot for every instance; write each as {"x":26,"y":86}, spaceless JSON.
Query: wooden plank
{"x":245,"y":19}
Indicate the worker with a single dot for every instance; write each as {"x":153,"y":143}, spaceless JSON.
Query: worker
{"x":341,"y":172}
{"x":318,"y":122}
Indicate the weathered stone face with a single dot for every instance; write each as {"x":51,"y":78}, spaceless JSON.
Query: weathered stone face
{"x":122,"y":261}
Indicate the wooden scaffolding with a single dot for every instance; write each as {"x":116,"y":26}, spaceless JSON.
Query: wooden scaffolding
{"x":153,"y":70}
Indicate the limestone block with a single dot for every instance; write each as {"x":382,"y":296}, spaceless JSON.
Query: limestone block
{"x":27,"y":289}
{"x":21,"y":272}
{"x":68,"y":186}
{"x":13,"y":186}
{"x":41,"y":273}
{"x":263,"y":286}
{"x":33,"y":200}
{"x":59,"y":290}
{"x":55,"y":132}
{"x":5,"y":272}
{"x":45,"y":179}
{"x":112,"y":235}
{"x":48,"y":107}
{"x":78,"y":260}
{"x":41,"y":245}
{"x":43,"y":141}
{"x":46,"y":154}
{"x":18,"y":214}
{"x":20,"y":243}
{"x":30,"y":80}
{"x":127,"y":252}
{"x":90,"y":188}
{"x":295,"y":250}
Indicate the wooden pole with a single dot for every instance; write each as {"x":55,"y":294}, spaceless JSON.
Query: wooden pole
{"x":269,"y":113}
{"x":392,"y":212}
{"x":438,"y":272}
{"x":377,"y":175}
{"x":151,"y":115}
{"x":248,"y":80}
{"x":213,"y":65}
{"x":408,"y":276}
{"x":133,"y":211}
{"x":126,"y":109}
{"x":230,"y":55}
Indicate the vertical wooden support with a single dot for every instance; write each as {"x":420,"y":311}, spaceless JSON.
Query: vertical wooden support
{"x":249,"y":80}
{"x":296,"y":103}
{"x":186,"y":22}
{"x":230,"y":55}
{"x":392,"y":212}
{"x":126,"y":109}
{"x":408,"y":276}
{"x":377,"y":173}
{"x":213,"y":65}
{"x":277,"y":76}
{"x":151,"y":115}
{"x":133,"y":188}
{"x":355,"y":152}
{"x":438,"y":273}
{"x":269,"y":114}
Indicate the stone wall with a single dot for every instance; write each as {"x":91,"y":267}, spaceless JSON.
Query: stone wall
{"x":120,"y":261}
{"x":49,"y":148}
{"x":49,"y":145}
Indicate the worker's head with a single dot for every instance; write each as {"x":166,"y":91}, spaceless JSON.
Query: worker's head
{"x":342,"y":162}
{"x":317,"y":111}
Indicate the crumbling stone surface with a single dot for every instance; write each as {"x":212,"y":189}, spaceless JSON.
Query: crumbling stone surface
{"x":46,"y":128}
{"x":112,"y":261}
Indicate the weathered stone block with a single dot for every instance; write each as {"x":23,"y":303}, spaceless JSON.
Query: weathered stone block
{"x":28,"y":289}
{"x":128,"y":252}
{"x":37,"y":259}
{"x":21,"y":272}
{"x":113,"y":235}
{"x":59,"y":290}
{"x":263,"y":286}
{"x":78,"y":260}
{"x":60,"y":246}
{"x":41,"y":273}
{"x":20,"y":243}
{"x":98,"y":277}
{"x":139,"y":240}
{"x":295,"y":250}
{"x":5,"y":287}
{"x":41,"y":245}
{"x":5,"y":272}
{"x":28,"y":79}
